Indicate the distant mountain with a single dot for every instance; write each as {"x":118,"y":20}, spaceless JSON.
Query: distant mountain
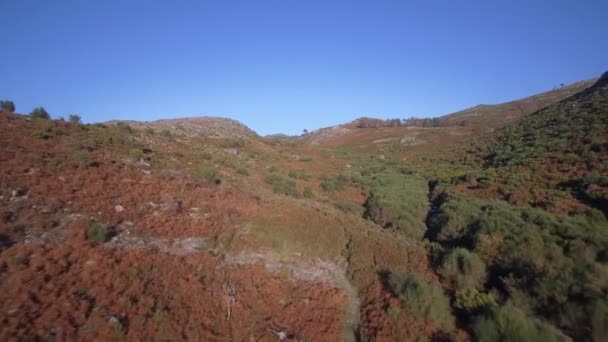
{"x":197,"y":126}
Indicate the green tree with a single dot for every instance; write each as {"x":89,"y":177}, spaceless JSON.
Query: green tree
{"x":7,"y":106}
{"x":40,"y":113}
{"x":75,"y":119}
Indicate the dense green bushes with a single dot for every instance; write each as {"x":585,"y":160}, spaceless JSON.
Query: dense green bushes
{"x":423,"y":299}
{"x":568,"y":131}
{"x":462,"y":269}
{"x":509,"y":323}
{"x":549,"y":263}
{"x":400,"y":202}
{"x":471,"y":300}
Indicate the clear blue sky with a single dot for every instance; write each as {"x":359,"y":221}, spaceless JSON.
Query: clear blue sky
{"x":285,"y":65}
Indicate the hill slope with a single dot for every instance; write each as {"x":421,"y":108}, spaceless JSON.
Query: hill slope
{"x":202,"y":126}
{"x":198,"y":229}
{"x":498,"y":115}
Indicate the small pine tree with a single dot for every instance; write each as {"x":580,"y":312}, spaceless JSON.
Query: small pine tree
{"x":7,"y":106}
{"x":40,"y":113}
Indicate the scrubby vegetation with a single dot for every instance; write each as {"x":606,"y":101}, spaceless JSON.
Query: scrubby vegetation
{"x":400,"y":202}
{"x":282,"y":185}
{"x":75,"y":119}
{"x":98,"y":233}
{"x":39,"y":113}
{"x":208,"y":175}
{"x":500,"y":237}
{"x":509,"y":323}
{"x":462,"y":269}
{"x":423,"y":299}
{"x":7,"y":106}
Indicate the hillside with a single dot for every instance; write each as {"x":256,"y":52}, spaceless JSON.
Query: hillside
{"x":498,"y":115}
{"x":199,"y":229}
{"x":204,"y":126}
{"x":478,"y":117}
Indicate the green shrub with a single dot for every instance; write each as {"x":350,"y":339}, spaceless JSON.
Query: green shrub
{"x":241,"y":170}
{"x":82,"y":158}
{"x":547,"y":262}
{"x":298,"y":174}
{"x":150,"y":131}
{"x":136,"y":153}
{"x":308,"y":192}
{"x":471,"y":300}
{"x":423,"y":299}
{"x":206,"y":156}
{"x":305,"y":158}
{"x":166,"y":133}
{"x":232,"y":143}
{"x":75,"y":119}
{"x":462,"y":268}
{"x":39,"y":113}
{"x":282,"y":185}
{"x":399,"y":202}
{"x":7,"y":106}
{"x":349,"y":207}
{"x":509,"y":323}
{"x":332,"y":184}
{"x":98,"y":233}
{"x":208,"y":175}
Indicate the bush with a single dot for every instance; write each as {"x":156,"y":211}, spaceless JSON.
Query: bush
{"x":208,"y":175}
{"x":423,"y":299}
{"x":549,"y":263}
{"x":349,"y":207}
{"x":509,"y":323}
{"x":75,"y":119}
{"x":400,"y":202}
{"x":462,"y":268}
{"x":308,"y":193}
{"x":7,"y":106}
{"x":331,"y":184}
{"x":40,"y":113}
{"x":282,"y":185}
{"x":242,"y":171}
{"x":298,"y":174}
{"x":471,"y":300}
{"x":232,"y":143}
{"x":305,"y":159}
{"x":98,"y":233}
{"x":166,"y":133}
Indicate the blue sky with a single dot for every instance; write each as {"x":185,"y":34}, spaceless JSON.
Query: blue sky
{"x":282,"y":66}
